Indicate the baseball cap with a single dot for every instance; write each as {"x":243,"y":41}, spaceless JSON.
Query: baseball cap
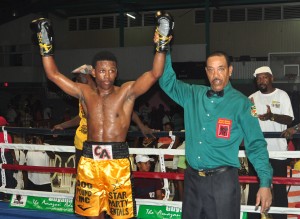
{"x":263,"y":69}
{"x":3,"y":121}
{"x":143,"y":158}
{"x":84,"y":69}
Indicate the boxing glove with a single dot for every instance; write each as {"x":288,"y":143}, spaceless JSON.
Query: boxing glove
{"x":165,"y":25}
{"x":42,"y":27}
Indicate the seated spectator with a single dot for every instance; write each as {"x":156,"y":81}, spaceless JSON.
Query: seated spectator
{"x":37,"y":180}
{"x":146,"y":188}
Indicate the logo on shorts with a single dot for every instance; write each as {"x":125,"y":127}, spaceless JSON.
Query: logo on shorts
{"x":102,"y":152}
{"x":223,"y":128}
{"x":82,"y":208}
{"x":116,"y":186}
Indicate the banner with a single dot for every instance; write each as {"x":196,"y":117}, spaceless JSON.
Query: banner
{"x":63,"y":205}
{"x":158,"y":212}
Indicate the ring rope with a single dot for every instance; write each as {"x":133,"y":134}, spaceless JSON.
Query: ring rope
{"x":152,"y":151}
{"x":156,"y":175}
{"x":71,"y":132}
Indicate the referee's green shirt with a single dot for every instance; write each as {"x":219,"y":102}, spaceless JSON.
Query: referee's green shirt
{"x":216,"y":126}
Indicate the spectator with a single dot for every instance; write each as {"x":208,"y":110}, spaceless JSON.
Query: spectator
{"x":167,"y":117}
{"x":37,"y":111}
{"x":48,"y":112}
{"x":9,"y":158}
{"x":144,"y":112}
{"x":177,"y":118}
{"x":11,"y":114}
{"x":146,"y":188}
{"x":160,"y":113}
{"x":36,"y":180}
{"x":275,"y":112}
{"x":26,"y":118}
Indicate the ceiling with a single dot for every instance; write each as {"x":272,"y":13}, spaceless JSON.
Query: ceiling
{"x":12,"y":9}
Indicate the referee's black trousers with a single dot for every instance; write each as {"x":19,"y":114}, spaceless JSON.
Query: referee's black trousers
{"x":211,"y":197}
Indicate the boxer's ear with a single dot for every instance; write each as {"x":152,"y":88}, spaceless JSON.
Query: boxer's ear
{"x":93,"y":73}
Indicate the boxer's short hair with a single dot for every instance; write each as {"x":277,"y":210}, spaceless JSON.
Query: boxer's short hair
{"x":104,"y":56}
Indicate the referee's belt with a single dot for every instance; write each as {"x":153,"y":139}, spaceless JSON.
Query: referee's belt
{"x":211,"y":172}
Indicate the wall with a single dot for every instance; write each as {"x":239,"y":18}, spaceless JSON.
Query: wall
{"x":73,"y":48}
{"x":254,"y":38}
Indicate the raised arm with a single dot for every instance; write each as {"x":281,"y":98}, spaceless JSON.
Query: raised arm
{"x":162,"y":38}
{"x":43,"y":29}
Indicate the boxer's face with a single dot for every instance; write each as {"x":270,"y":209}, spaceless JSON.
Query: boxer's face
{"x":218,"y":72}
{"x":105,"y":73}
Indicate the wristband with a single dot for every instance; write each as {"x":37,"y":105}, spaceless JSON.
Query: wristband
{"x":296,"y":127}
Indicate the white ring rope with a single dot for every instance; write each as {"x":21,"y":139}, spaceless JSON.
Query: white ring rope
{"x":67,"y":148}
{"x":152,"y":151}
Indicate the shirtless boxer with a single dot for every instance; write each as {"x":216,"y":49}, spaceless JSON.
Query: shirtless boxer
{"x":83,"y":75}
{"x":103,"y":174}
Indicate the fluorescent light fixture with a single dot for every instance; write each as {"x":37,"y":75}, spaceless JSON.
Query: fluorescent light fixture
{"x":131,"y":16}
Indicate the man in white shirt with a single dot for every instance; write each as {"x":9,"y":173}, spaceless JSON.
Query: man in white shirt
{"x":274,"y":110}
{"x":36,"y":180}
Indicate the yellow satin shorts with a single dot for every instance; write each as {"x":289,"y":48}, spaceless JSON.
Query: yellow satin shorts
{"x":104,"y":186}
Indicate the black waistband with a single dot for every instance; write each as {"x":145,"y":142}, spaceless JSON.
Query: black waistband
{"x":119,"y":149}
{"x":211,"y":172}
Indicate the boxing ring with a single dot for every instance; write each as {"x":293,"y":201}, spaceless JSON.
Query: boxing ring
{"x":147,"y":208}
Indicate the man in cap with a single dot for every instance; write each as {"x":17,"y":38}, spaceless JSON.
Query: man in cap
{"x":275,"y":112}
{"x":146,"y":188}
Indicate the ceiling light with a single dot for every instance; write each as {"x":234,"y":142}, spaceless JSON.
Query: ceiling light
{"x":131,"y":16}
{"x":14,"y":13}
